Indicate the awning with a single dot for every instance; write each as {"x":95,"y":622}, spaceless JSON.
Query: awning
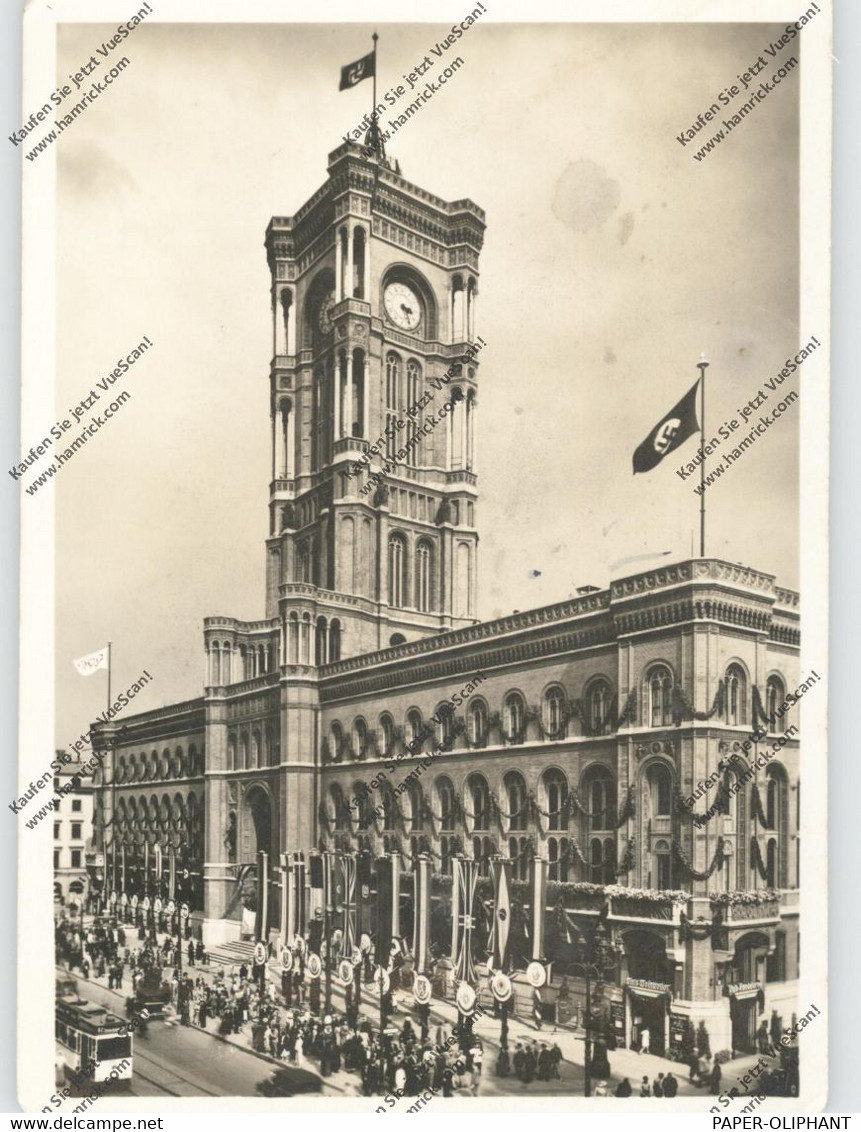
{"x":644,"y":989}
{"x":742,"y":991}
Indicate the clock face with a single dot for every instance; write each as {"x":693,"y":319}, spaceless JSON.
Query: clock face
{"x":403,"y":306}
{"x":324,"y":315}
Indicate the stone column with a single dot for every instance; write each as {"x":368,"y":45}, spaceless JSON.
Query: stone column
{"x":349,"y":287}
{"x":338,"y":267}
{"x":366,"y":395}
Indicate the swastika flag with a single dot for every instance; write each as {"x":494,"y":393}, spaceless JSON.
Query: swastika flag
{"x":671,"y":431}
{"x":354,"y":72}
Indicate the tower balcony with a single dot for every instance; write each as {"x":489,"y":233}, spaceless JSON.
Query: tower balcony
{"x":350,"y":446}
{"x":351,"y":306}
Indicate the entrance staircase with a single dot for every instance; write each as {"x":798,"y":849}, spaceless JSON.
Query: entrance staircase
{"x":235,"y":953}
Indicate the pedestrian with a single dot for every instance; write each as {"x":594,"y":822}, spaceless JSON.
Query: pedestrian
{"x":714,"y":1080}
{"x":645,"y":1040}
{"x":671,"y":1085}
{"x":477,"y":1058}
{"x":657,"y":1086}
{"x":503,"y":1063}
{"x":601,"y":1089}
{"x":191,"y":953}
{"x":762,"y":1041}
{"x":623,"y":1089}
{"x":775,"y":1026}
{"x":556,"y":1058}
{"x":645,"y":1091}
{"x":544,"y":1063}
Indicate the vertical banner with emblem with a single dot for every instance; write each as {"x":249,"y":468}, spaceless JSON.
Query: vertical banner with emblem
{"x":396,"y":893}
{"x":364,"y":897}
{"x":122,"y":868}
{"x":463,"y":886}
{"x":385,"y":903}
{"x":421,"y":911}
{"x":261,"y":917}
{"x":538,"y":900}
{"x":500,"y":875}
{"x":171,"y":875}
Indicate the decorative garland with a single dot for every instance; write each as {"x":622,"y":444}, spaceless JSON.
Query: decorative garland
{"x":756,"y":859}
{"x":629,"y":711}
{"x":627,"y":861}
{"x":689,"y":930}
{"x":760,"y":715}
{"x":682,"y":858}
{"x":629,"y":808}
{"x":756,"y":811}
{"x":682,"y":708}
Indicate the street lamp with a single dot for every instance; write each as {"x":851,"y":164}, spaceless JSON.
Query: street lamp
{"x":603,"y":957}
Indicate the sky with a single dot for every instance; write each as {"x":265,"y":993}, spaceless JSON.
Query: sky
{"x":612,"y":262}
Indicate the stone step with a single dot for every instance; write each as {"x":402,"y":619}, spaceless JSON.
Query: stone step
{"x":234,"y":952}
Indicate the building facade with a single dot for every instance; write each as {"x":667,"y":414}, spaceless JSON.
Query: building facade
{"x":73,"y":827}
{"x":577,"y":734}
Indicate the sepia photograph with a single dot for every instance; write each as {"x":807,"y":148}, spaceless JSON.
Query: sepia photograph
{"x":418,"y":504}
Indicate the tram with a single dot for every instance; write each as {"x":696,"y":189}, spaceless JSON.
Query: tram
{"x":92,"y":1041}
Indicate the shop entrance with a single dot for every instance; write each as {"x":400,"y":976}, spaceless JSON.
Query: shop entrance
{"x":743,"y":1018}
{"x":649,"y":1016}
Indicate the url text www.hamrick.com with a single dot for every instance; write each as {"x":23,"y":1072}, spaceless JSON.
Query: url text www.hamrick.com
{"x":724,"y":102}
{"x":67,"y":112}
{"x":68,"y":448}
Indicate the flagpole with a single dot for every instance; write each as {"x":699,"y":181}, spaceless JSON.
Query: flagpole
{"x":109,"y":675}
{"x":702,"y":366}
{"x":375,"y":133}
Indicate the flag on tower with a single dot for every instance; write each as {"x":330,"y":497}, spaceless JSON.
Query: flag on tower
{"x":92,"y":662}
{"x":353,"y":73}
{"x":671,"y":431}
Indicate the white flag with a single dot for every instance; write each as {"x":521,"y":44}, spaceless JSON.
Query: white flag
{"x":87,"y":665}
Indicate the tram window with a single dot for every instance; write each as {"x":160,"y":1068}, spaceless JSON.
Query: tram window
{"x":110,"y":1048}
{"x":86,"y":1047}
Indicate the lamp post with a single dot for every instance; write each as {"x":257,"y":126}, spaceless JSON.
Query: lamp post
{"x":603,"y":957}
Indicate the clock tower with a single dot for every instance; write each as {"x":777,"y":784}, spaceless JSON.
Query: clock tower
{"x":374,"y":288}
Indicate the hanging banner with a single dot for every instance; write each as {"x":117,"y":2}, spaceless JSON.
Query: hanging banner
{"x":386,"y":896}
{"x":421,"y":911}
{"x":500,"y":875}
{"x":463,"y":886}
{"x":261,"y":916}
{"x":349,"y":873}
{"x":538,"y":901}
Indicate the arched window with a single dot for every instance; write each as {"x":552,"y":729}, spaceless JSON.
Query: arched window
{"x":445,"y":804}
{"x":600,"y":698}
{"x":424,"y":576}
{"x":553,"y":711}
{"x":397,"y":570}
{"x":445,"y":725}
{"x":482,"y":850}
{"x":303,"y":562}
{"x":518,"y":851}
{"x":360,"y":739}
{"x":477,"y":723}
{"x":602,"y":860}
{"x":389,"y":807}
{"x":735,"y":695}
{"x":515,"y":717}
{"x":414,"y":792}
{"x":337,"y":742}
{"x":337,"y":807}
{"x":413,"y":441}
{"x":659,"y":687}
{"x":774,"y":696}
{"x":334,"y":641}
{"x":660,"y":790}
{"x":516,"y":798}
{"x":414,"y":728}
{"x":777,"y":819}
{"x":559,"y":858}
{"x":387,"y":734}
{"x":478,"y":802}
{"x":599,"y":788}
{"x":394,"y":403}
{"x":771,"y":862}
{"x":555,"y":794}
{"x":663,"y":874}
